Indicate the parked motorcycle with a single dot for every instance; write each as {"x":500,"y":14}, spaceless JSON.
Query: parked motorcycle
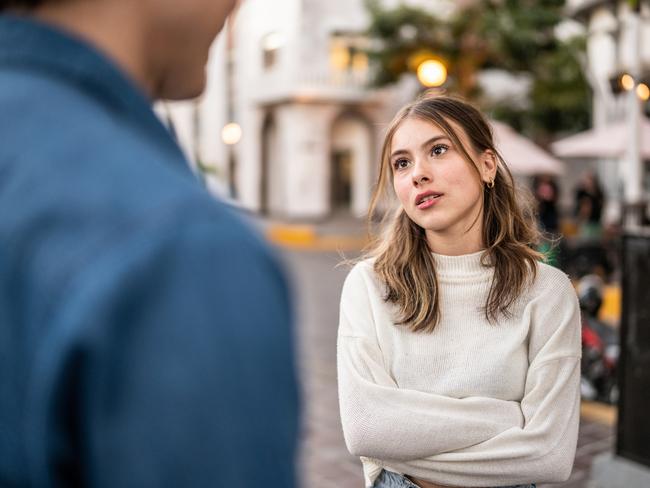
{"x":600,"y":345}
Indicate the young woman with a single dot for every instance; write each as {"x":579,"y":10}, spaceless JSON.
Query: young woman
{"x":458,"y":350}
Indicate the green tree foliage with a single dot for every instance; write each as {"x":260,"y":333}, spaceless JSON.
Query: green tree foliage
{"x":401,"y":33}
{"x":513,"y":35}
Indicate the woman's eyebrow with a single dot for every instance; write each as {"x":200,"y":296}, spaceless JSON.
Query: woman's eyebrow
{"x":399,"y":152}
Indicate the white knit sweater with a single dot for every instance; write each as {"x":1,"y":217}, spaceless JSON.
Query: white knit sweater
{"x":472,"y":403}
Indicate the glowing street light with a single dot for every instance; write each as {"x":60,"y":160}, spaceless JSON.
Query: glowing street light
{"x":432,"y":73}
{"x":627,"y":82}
{"x":231,"y":134}
{"x":272,"y":41}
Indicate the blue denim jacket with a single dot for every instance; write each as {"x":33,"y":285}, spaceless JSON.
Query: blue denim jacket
{"x":145,"y":331}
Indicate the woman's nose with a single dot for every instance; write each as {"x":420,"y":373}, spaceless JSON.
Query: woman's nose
{"x":421,"y":174}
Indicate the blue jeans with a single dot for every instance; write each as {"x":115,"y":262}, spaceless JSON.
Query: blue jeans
{"x":388,"y":479}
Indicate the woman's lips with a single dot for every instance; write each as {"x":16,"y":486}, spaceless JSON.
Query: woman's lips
{"x":429,"y":201}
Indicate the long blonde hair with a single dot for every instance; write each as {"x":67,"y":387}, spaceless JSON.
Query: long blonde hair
{"x":402,"y":258}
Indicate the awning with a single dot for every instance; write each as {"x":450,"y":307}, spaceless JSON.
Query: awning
{"x":610,"y":142}
{"x":522,"y":156}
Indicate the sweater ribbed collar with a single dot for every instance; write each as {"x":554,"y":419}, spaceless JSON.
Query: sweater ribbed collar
{"x":463,"y":266}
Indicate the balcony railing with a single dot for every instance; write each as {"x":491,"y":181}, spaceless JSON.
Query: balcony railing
{"x":347,"y":85}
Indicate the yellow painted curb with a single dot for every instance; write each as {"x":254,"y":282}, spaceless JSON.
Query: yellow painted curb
{"x":339,"y":243}
{"x":291,"y":235}
{"x":304,"y":237}
{"x":610,"y":311}
{"x":599,"y":412}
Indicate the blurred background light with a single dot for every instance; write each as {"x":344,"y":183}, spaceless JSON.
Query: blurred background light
{"x":432,"y":73}
{"x":231,"y":133}
{"x":627,"y":82}
{"x":273,"y":40}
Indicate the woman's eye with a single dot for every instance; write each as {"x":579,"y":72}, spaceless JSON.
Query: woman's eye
{"x":439,"y":149}
{"x":401,"y":163}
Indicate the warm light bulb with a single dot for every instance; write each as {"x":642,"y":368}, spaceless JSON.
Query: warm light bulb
{"x":432,"y":73}
{"x":643,"y":92}
{"x":627,"y":82}
{"x":231,"y":133}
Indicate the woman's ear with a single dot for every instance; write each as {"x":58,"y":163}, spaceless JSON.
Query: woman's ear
{"x":488,"y":165}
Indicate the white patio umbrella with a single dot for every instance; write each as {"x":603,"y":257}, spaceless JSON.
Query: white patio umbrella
{"x":522,"y":156}
{"x":608,"y":142}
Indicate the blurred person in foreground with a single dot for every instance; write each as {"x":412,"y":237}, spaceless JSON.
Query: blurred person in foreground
{"x":458,"y":350}
{"x":145,"y":332}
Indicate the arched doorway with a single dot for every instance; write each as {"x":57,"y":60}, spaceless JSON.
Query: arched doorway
{"x":350,"y":165}
{"x":341,"y":181}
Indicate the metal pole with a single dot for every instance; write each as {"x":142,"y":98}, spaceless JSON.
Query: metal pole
{"x":633,"y":178}
{"x":230,"y":103}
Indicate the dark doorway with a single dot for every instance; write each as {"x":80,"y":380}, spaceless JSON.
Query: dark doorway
{"x":268,"y":142}
{"x":341,"y":189}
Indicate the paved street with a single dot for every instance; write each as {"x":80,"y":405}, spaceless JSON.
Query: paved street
{"x":325,"y":462}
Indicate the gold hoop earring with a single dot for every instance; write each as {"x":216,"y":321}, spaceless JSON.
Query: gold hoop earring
{"x":490,"y":184}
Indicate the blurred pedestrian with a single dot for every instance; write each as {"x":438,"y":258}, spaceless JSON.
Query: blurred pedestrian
{"x":546,"y":194}
{"x":458,"y":351}
{"x":144,"y":330}
{"x":589,"y":203}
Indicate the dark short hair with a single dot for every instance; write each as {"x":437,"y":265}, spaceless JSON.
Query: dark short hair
{"x":20,"y":4}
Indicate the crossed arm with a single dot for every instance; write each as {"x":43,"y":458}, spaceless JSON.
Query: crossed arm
{"x":448,"y":440}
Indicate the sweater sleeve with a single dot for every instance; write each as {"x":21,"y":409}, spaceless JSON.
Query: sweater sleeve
{"x":381,"y":420}
{"x":543,"y":449}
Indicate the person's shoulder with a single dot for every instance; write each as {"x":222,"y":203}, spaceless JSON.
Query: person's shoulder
{"x":552,"y":282}
{"x":361,"y":278}
{"x":554,"y":312}
{"x":551,"y":275}
{"x":197,"y":239}
{"x":59,"y":104}
{"x":222,"y":224}
{"x":199,"y":220}
{"x":191,"y":249}
{"x":75,"y":137}
{"x":227,"y":248}
{"x":69,"y":121}
{"x":362,"y":270}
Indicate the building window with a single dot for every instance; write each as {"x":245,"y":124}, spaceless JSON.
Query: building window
{"x":271,"y":44}
{"x":348,"y":56}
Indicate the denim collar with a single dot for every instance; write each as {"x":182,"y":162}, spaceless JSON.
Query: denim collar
{"x":35,"y":46}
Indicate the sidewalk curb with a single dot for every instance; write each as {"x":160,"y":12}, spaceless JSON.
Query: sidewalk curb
{"x":306,"y":237}
{"x":599,"y":412}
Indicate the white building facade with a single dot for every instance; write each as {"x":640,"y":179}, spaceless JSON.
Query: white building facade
{"x":615,"y":45}
{"x":611,"y":49}
{"x":293,"y":75}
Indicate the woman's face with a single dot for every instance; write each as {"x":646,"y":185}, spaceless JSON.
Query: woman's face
{"x":439,"y":190}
